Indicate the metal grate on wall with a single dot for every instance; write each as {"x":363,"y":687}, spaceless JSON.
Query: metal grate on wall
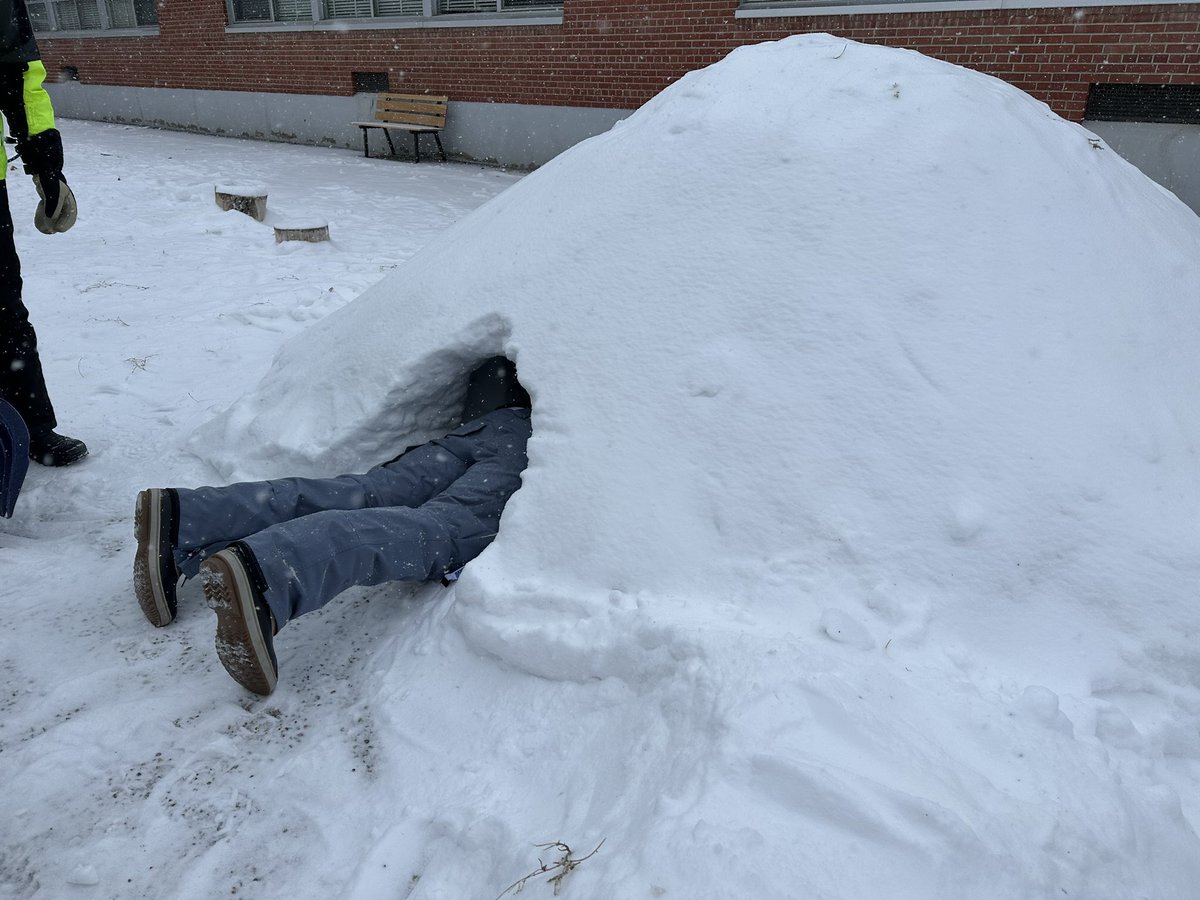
{"x":370,"y":82}
{"x":1167,"y":103}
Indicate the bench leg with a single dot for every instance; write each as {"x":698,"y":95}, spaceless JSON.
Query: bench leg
{"x":365,"y":151}
{"x":416,"y":146}
{"x":388,"y":134}
{"x":442,"y":150}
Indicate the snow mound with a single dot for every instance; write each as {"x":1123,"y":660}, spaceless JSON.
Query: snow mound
{"x":845,"y":347}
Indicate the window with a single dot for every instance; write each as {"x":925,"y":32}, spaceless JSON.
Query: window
{"x":292,"y":10}
{"x":91,"y":15}
{"x":132,"y":13}
{"x":485,"y":6}
{"x":352,"y":9}
{"x":254,"y":11}
{"x":77,"y":15}
{"x":366,"y":9}
{"x":399,"y":8}
{"x":271,"y":10}
{"x":39,"y":16}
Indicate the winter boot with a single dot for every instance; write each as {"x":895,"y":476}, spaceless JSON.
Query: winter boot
{"x":245,"y":626}
{"x":49,"y":448}
{"x":155,"y":578}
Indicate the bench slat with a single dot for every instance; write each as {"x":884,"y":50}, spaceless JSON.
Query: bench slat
{"x":411,"y":118}
{"x":426,"y":98}
{"x":413,"y":102}
{"x":415,"y":109}
{"x":407,"y":106}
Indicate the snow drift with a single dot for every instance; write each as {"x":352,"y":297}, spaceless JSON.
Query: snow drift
{"x":865,"y":457}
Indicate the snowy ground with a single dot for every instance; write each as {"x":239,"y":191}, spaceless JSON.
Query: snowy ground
{"x":127,"y":752}
{"x":856,"y":556}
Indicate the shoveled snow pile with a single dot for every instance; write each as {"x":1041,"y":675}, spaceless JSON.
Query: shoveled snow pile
{"x":857,"y":552}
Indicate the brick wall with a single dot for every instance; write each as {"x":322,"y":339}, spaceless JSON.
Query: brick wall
{"x":619,"y":53}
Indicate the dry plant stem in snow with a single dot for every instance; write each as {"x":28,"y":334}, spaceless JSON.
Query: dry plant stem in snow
{"x":563,"y":866}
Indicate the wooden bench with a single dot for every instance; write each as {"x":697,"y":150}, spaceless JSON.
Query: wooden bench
{"x":416,"y":113}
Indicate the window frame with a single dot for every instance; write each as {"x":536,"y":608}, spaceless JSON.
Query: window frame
{"x":271,"y":8}
{"x":549,"y":14}
{"x":106,"y":29}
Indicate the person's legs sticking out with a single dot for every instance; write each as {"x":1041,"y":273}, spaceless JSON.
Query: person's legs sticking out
{"x":177,"y":529}
{"x":275,"y":575}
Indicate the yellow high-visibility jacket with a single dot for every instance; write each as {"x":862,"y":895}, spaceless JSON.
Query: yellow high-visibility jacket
{"x":23,"y":100}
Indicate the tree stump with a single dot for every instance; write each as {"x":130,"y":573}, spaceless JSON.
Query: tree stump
{"x":248,"y":199}
{"x":311,"y":231}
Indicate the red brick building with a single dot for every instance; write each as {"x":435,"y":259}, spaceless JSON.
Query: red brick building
{"x":558,"y":70}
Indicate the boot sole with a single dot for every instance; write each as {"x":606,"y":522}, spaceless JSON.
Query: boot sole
{"x":241,"y":645}
{"x":147,"y":575}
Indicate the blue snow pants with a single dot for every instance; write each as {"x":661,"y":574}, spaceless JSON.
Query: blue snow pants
{"x":426,"y":513}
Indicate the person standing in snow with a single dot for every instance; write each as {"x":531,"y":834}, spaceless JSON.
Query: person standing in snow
{"x":269,"y":551}
{"x":30,"y":117}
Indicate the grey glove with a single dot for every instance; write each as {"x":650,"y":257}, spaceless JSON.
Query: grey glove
{"x":42,"y":154}
{"x":56,"y":211}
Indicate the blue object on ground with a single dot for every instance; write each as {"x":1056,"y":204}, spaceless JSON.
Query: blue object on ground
{"x":14,"y":457}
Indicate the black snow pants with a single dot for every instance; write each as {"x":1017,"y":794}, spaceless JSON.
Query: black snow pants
{"x":21,"y":380}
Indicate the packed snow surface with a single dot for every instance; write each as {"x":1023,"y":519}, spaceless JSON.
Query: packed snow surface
{"x":856,"y":556}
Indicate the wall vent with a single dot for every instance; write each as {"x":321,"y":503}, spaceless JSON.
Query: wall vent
{"x":1171,"y":103}
{"x":370,"y":82}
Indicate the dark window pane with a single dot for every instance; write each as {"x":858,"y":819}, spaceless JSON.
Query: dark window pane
{"x":145,"y":12}
{"x":252,"y":10}
{"x":39,"y":16}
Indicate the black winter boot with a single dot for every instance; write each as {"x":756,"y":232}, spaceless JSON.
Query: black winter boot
{"x":245,"y":626}
{"x":49,"y":448}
